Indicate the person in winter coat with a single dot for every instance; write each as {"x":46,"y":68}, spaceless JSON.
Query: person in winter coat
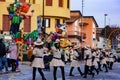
{"x":38,"y":62}
{"x":3,"y":56}
{"x":13,"y":55}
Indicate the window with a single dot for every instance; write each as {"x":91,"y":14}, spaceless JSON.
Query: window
{"x":2,"y":0}
{"x":57,"y":21}
{"x":47,"y":22}
{"x":60,"y":3}
{"x":48,"y":2}
{"x":68,"y":6}
{"x":6,"y":23}
{"x":27,"y":24}
{"x":22,"y":1}
{"x":63,"y":21}
{"x":32,"y":1}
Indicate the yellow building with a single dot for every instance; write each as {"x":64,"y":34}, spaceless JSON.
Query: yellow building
{"x":54,"y":11}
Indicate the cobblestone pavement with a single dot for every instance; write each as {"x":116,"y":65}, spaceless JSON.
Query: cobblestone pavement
{"x":26,"y":74}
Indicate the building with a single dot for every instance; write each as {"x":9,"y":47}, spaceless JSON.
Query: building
{"x":89,"y":28}
{"x":82,"y":29}
{"x":100,"y":39}
{"x":73,"y":28}
{"x":53,"y":11}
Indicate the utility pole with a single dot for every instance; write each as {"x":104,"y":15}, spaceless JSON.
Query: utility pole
{"x":43,"y":21}
{"x":82,"y":24}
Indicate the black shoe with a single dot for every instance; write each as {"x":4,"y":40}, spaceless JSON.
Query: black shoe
{"x":81,"y":74}
{"x":97,"y":72}
{"x":44,"y":79}
{"x":93,"y":74}
{"x":106,"y":71}
{"x":71,"y":75}
{"x":84,"y":76}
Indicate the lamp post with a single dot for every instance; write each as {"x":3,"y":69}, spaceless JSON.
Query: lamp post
{"x":105,"y":15}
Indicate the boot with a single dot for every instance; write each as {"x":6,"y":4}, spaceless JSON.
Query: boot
{"x":71,"y":71}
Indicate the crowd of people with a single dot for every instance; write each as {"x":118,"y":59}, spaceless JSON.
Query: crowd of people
{"x":95,"y":60}
{"x":43,"y":57}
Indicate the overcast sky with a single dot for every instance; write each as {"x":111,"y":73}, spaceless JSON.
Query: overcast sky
{"x":98,"y":8}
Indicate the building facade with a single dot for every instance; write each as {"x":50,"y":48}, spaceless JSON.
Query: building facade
{"x":53,"y":11}
{"x":89,"y":28}
{"x":82,"y":30}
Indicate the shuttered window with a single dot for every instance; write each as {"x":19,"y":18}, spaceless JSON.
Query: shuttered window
{"x":57,"y":21}
{"x":27,"y":24}
{"x":22,"y":1}
{"x":60,"y":3}
{"x":48,"y":2}
{"x":6,"y":23}
{"x":2,"y":0}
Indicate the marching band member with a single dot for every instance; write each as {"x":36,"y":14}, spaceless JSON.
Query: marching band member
{"x":98,"y":58}
{"x":74,"y":62}
{"x":111,"y":59}
{"x":57,"y":61}
{"x":88,"y":62}
{"x":104,"y":60}
{"x":94,"y":61}
{"x":38,"y":62}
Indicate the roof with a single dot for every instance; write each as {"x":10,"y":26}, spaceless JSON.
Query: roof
{"x":92,"y":18}
{"x":74,"y":15}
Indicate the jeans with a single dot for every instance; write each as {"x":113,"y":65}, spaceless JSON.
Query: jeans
{"x":3,"y":60}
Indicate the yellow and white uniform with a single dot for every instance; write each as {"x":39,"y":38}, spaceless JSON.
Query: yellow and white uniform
{"x":57,"y":61}
{"x":38,"y":60}
{"x":74,"y":60}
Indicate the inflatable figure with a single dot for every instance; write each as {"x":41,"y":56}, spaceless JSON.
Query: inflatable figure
{"x":17,"y":11}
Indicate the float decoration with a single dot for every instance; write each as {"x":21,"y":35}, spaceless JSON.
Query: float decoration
{"x":17,"y":11}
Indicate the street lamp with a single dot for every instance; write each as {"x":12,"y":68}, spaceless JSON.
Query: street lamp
{"x":105,"y":15}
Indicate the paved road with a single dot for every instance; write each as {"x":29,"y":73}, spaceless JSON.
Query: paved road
{"x":26,"y":74}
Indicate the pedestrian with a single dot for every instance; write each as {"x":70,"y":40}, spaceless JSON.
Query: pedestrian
{"x":57,"y":61}
{"x":13,"y":56}
{"x":38,"y":62}
{"x":74,"y":61}
{"x":3,"y":56}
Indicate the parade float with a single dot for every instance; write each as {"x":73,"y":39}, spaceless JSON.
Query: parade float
{"x":17,"y":12}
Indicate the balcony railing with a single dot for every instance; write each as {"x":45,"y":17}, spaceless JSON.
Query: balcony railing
{"x":76,"y":34}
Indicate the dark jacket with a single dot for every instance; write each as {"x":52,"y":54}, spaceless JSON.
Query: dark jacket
{"x":2,"y":50}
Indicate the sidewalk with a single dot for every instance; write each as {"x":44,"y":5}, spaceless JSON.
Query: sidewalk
{"x":24,"y":74}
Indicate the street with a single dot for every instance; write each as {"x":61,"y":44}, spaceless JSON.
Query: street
{"x":26,"y":74}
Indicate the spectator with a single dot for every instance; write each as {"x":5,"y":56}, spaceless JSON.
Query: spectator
{"x":3,"y":56}
{"x":13,"y":55}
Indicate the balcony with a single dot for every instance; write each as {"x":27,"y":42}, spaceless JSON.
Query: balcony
{"x":75,"y":34}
